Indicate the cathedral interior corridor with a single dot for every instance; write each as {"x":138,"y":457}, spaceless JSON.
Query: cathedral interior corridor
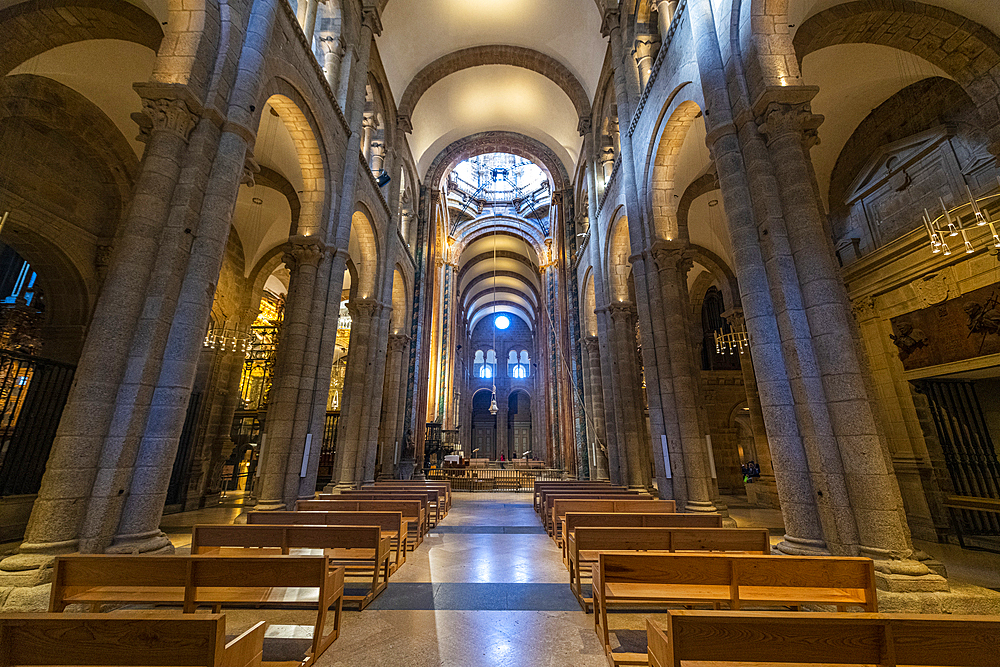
{"x":499,"y":332}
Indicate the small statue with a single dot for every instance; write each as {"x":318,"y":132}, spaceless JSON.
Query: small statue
{"x":983,"y":319}
{"x":908,"y":340}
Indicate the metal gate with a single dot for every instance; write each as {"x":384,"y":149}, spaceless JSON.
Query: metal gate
{"x":33,"y":394}
{"x":969,"y":452}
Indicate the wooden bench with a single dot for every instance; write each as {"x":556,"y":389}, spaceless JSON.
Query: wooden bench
{"x":551,"y":498}
{"x":586,"y":542}
{"x":392,"y":524}
{"x":204,"y":581}
{"x":540,"y":486}
{"x":411,"y":509}
{"x":573,"y":520}
{"x":560,"y":505}
{"x":542,"y":492}
{"x":133,"y":639}
{"x":441,"y":498}
{"x":954,"y":503}
{"x":398,"y":483}
{"x":733,"y":580}
{"x":361,"y":550}
{"x":427,"y":498}
{"x":889,"y":640}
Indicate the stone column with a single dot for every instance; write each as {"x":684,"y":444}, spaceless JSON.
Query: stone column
{"x":406,"y":219}
{"x":302,"y":257}
{"x":870,"y":492}
{"x":502,"y":419}
{"x":355,"y":380}
{"x":138,"y":529}
{"x":367,"y":131}
{"x":372,"y":413}
{"x":70,"y":474}
{"x":596,"y":390}
{"x":395,"y":386}
{"x":643,"y":54}
{"x":307,"y":18}
{"x":673,"y":263}
{"x":665,"y":10}
{"x":607,"y":161}
{"x":627,"y":383}
{"x":378,"y":156}
{"x":333,"y":52}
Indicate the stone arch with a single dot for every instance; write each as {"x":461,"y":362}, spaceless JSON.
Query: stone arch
{"x":32,"y":28}
{"x":259,"y":274}
{"x":269,"y":178}
{"x":514,"y":143}
{"x":966,"y":50}
{"x":495,"y":54}
{"x":363,"y":248}
{"x":619,"y":266}
{"x":400,"y":295}
{"x":289,"y":106}
{"x":663,"y":167}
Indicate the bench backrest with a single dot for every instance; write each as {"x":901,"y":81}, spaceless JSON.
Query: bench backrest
{"x":888,"y":640}
{"x":409,"y":508}
{"x":79,"y":572}
{"x":399,"y":483}
{"x":748,"y":540}
{"x":552,"y":498}
{"x":574,"y":520}
{"x":561,"y":505}
{"x":545,"y":494}
{"x":387,"y":521}
{"x":856,"y":575}
{"x":440,"y":493}
{"x":286,"y":537}
{"x":143,"y":639}
{"x":425,"y":497}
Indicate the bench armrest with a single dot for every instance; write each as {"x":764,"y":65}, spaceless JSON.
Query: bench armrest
{"x":247,"y":650}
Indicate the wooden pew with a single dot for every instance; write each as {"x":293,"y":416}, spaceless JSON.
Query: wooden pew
{"x":204,"y":581}
{"x":442,"y":493}
{"x":391,"y":483}
{"x":133,"y":639}
{"x":543,"y":484}
{"x":411,"y":509}
{"x":586,"y":542}
{"x":658,"y":580}
{"x":392,"y":524}
{"x":549,"y":500}
{"x":427,"y":498}
{"x":559,"y":505}
{"x":360,"y":550}
{"x":628,"y":519}
{"x":759,"y":637}
{"x":576,"y":490}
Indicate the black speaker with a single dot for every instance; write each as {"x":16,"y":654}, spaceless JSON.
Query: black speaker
{"x":382,"y":178}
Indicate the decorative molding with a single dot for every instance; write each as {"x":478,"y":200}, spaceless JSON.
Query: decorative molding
{"x":660,"y":57}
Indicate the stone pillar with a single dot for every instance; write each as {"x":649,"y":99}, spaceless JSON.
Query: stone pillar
{"x":307,"y":18}
{"x":643,"y":54}
{"x":502,"y":419}
{"x":627,"y":383}
{"x":378,"y":156}
{"x":406,"y":219}
{"x":607,"y":161}
{"x":868,"y":492}
{"x":665,"y":10}
{"x":394,"y":387}
{"x":367,"y":131}
{"x":302,"y":257}
{"x":596,"y":391}
{"x":372,"y":413}
{"x":70,"y":474}
{"x":673,"y":263}
{"x":355,"y":380}
{"x":333,"y":52}
{"x":138,"y":529}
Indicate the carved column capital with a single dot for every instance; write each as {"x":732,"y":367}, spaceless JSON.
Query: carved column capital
{"x":167,"y":115}
{"x":583,"y":125}
{"x":330,"y":43}
{"x":303,"y":251}
{"x":673,"y":257}
{"x":250,"y":170}
{"x":610,"y":20}
{"x":362,"y":309}
{"x":368,"y":121}
{"x":372,"y":19}
{"x":592,"y":343}
{"x":398,"y":342}
{"x":786,"y":110}
{"x":863,"y":308}
{"x":620,"y":310}
{"x":736,"y":319}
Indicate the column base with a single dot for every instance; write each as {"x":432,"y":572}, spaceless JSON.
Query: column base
{"x":269,"y":506}
{"x":798,"y":546}
{"x":958,"y":599}
{"x":702,"y":506}
{"x":153,"y":542}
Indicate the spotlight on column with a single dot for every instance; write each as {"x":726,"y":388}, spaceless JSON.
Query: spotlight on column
{"x":382,"y":178}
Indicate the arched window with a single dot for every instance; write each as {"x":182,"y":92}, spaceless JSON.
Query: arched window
{"x":511,"y":363}
{"x":521,"y":368}
{"x":485,"y":368}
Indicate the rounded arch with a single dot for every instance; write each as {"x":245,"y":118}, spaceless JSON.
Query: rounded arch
{"x":966,"y":50}
{"x":363,"y":250}
{"x":294,"y":114}
{"x":514,"y":143}
{"x":619,"y":266}
{"x":661,"y":171}
{"x":494,"y":54}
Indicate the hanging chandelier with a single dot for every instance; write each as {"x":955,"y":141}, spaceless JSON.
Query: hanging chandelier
{"x":229,"y":339}
{"x":949,"y":223}
{"x":731,"y":342}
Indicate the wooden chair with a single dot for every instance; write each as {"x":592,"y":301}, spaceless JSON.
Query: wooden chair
{"x":760,"y":637}
{"x":411,"y":509}
{"x":204,"y":581}
{"x":573,"y":520}
{"x":560,"y":505}
{"x":392,"y":524}
{"x":734,"y":580}
{"x":587,"y":542}
{"x":133,"y":639}
{"x":360,"y":550}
